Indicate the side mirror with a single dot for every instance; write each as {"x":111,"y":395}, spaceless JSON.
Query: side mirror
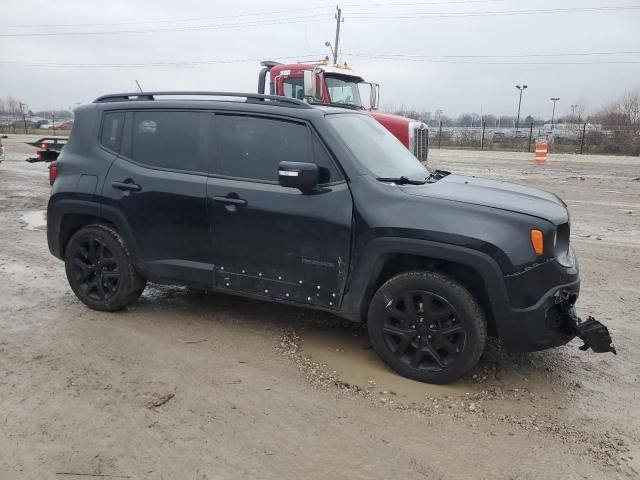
{"x":375,"y":96}
{"x":4,"y":136}
{"x":309,"y":84}
{"x":303,"y":176}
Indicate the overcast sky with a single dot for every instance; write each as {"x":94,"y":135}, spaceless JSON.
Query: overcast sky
{"x":199,"y":30}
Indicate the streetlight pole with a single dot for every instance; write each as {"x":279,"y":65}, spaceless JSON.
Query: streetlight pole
{"x":573,"y":113}
{"x":333,"y":53}
{"x":553,"y":112}
{"x":521,"y":88}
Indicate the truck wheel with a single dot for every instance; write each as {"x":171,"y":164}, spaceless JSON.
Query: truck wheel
{"x":100,"y":270}
{"x":426,"y":327}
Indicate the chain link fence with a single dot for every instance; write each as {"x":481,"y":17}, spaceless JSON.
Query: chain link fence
{"x":578,"y":138}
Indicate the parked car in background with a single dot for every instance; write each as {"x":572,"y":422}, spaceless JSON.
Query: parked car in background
{"x":498,"y":137}
{"x":65,"y":125}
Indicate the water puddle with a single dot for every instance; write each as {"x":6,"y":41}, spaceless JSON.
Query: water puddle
{"x":34,"y":219}
{"x":346,"y":352}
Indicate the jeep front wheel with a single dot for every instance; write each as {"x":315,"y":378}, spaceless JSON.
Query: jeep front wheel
{"x":100,"y":270}
{"x":426,"y":327}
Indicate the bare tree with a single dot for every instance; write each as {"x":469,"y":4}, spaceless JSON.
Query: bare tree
{"x":630,"y":106}
{"x":13,"y":107}
{"x":622,"y":120}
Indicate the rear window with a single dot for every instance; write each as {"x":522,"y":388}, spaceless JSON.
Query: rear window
{"x":167,"y":139}
{"x":111,"y":134}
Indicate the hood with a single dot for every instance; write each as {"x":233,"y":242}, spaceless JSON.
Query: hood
{"x":397,"y":125}
{"x":495,"y":194}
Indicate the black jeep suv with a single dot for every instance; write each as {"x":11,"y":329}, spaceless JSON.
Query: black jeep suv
{"x":273,"y":198}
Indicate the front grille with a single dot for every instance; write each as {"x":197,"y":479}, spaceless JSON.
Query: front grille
{"x":420,"y":147}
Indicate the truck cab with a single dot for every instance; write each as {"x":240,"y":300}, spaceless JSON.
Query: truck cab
{"x":340,"y":86}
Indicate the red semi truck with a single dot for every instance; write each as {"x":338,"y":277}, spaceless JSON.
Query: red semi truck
{"x":338,"y":85}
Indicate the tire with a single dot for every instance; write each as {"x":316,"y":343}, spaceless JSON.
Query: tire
{"x":426,"y":327}
{"x":100,"y":270}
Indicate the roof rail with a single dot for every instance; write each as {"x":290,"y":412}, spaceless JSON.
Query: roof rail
{"x":250,"y":97}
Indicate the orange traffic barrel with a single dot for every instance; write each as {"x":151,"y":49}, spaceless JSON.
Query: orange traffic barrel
{"x":541,"y":153}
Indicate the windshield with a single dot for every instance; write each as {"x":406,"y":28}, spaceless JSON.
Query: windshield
{"x":377,"y":149}
{"x":343,"y":90}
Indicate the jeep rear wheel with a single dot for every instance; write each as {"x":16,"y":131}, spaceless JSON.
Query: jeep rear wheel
{"x":100,"y":270}
{"x":426,"y":327}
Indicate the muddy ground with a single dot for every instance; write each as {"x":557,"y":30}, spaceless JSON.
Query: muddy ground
{"x":191,"y":386}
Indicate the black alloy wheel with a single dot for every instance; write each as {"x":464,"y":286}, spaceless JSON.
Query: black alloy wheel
{"x":100,"y":269}
{"x":423,"y":331}
{"x":95,"y":269}
{"x":426,"y":326}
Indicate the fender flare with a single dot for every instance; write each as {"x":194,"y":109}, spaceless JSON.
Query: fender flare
{"x":372,"y":259}
{"x":59,"y":209}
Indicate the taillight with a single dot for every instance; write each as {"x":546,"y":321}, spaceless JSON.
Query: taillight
{"x":53,"y":173}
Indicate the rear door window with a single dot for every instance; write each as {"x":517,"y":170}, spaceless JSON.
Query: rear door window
{"x":111,"y":134}
{"x":173,"y":140}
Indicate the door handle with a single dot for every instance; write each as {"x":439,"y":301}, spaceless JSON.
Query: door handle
{"x":236,"y":202}
{"x":127,"y":186}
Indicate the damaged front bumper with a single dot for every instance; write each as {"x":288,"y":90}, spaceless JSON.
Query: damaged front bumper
{"x":552,"y":321}
{"x":593,"y":333}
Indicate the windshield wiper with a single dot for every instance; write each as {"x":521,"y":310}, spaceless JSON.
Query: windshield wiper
{"x":402,"y":180}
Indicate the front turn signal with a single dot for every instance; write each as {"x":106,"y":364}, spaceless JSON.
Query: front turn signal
{"x":537,"y":241}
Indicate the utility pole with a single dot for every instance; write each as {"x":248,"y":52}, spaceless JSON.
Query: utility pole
{"x":584,"y":132}
{"x":553,"y":112}
{"x":521,"y":88}
{"x":24,"y":117}
{"x":336,"y":45}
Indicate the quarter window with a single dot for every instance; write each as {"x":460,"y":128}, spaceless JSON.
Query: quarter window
{"x":168,"y":139}
{"x":112,"y":130}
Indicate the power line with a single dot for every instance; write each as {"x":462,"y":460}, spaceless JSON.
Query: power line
{"x":525,"y":55}
{"x":282,"y":21}
{"x":413,"y":4}
{"x":155,"y":64}
{"x":472,"y":62}
{"x":244,"y":15}
{"x":393,"y":57}
{"x":421,"y":15}
{"x":183,"y":20}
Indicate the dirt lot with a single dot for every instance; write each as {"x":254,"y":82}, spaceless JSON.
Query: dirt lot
{"x":192,"y":386}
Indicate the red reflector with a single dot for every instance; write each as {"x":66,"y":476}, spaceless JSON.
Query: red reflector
{"x":53,"y":173}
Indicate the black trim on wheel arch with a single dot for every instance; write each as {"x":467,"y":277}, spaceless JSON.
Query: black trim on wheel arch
{"x":371,"y":261}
